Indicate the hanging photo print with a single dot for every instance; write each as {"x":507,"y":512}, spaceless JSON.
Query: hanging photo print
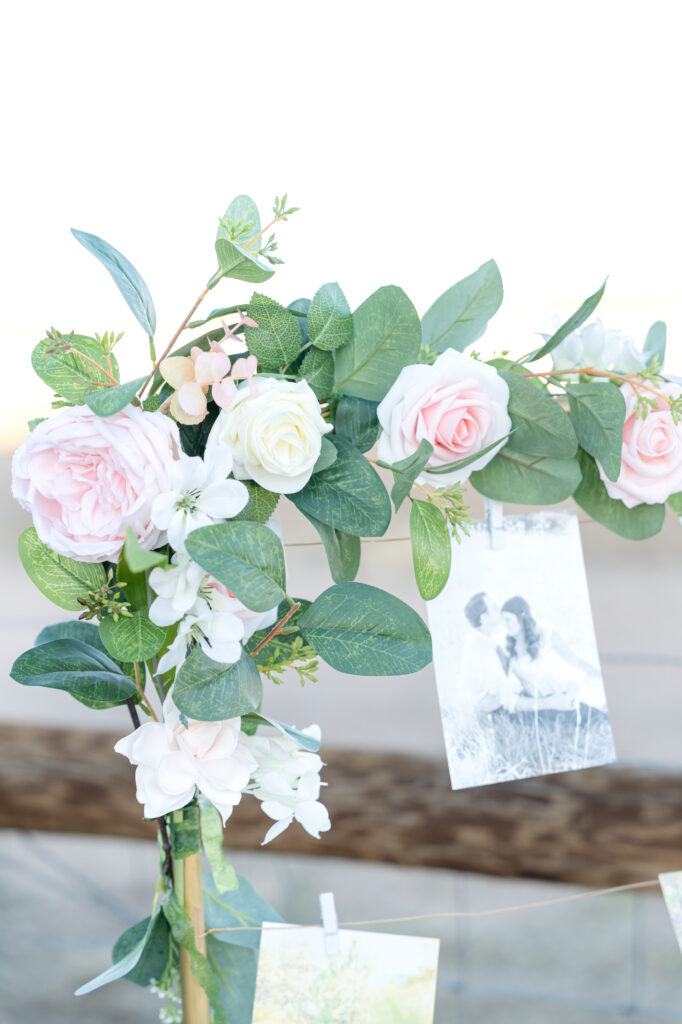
{"x":373,"y":978}
{"x":515,"y":655}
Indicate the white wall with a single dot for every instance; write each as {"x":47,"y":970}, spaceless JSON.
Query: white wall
{"x":419,"y":140}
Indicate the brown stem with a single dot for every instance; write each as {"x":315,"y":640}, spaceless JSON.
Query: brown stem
{"x":140,"y":690}
{"x":75,"y":352}
{"x":589,"y":371}
{"x":175,"y":337}
{"x":276,"y":629}
{"x":262,"y":232}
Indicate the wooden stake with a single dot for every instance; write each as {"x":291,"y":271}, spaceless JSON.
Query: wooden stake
{"x":195,"y":1007}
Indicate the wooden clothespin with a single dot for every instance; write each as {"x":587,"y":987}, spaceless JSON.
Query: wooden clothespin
{"x":330,"y":923}
{"x":494,"y":518}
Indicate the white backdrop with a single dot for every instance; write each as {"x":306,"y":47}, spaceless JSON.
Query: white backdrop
{"x":419,"y":140}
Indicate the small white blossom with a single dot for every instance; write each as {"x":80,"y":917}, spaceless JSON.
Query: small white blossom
{"x":201,"y":495}
{"x":214,"y":624}
{"x":593,"y":346}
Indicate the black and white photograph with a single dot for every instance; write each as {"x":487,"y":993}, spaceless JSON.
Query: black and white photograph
{"x":515,"y":655}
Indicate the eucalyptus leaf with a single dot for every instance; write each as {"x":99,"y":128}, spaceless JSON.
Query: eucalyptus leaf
{"x":317,"y":368}
{"x":131,"y":956}
{"x":81,"y":670}
{"x":469,"y":460}
{"x":108,"y":401}
{"x":406,"y":471}
{"x":60,"y":579}
{"x":330,"y":322}
{"x":75,"y":629}
{"x":67,"y":373}
{"x":654,"y":346}
{"x":461,"y":314}
{"x":277,"y":340}
{"x":234,"y":262}
{"x":343,"y":550}
{"x":539,"y":424}
{"x":638,"y":523}
{"x":675,"y":503}
{"x":246,"y":557}
{"x":133,"y":638}
{"x":235,"y":967}
{"x":431,"y":548}
{"x":240,"y":907}
{"x":211,"y":692}
{"x":127,"y":279}
{"x":326,"y":457}
{"x":527,"y":479}
{"x":574,"y":321}
{"x":386,"y":337}
{"x":356,"y":420}
{"x":598,"y":415}
{"x":302,"y":739}
{"x":362,"y":630}
{"x":155,"y":953}
{"x":348,"y":496}
{"x":243,"y":209}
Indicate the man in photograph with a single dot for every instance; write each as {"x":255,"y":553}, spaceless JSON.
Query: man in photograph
{"x":483,"y":680}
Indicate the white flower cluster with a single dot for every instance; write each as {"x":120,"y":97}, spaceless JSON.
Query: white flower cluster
{"x":176,"y":757}
{"x":593,"y":346}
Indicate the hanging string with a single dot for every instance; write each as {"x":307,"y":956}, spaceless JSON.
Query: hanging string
{"x":631,"y":887}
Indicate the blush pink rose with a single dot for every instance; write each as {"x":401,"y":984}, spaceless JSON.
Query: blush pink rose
{"x":651,"y":460}
{"x":84,"y":478}
{"x":459,"y":404}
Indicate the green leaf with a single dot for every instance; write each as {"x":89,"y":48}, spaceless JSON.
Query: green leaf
{"x":284,"y":642}
{"x":71,"y":665}
{"x":469,"y":460}
{"x":675,"y":503}
{"x":348,"y":496}
{"x":193,"y":437}
{"x":598,"y":415}
{"x":128,"y":962}
{"x":431,"y":548}
{"x":236,"y":969}
{"x":527,"y":479}
{"x":133,"y":638}
{"x":234,"y":262}
{"x":210,"y":692}
{"x":301,"y":306}
{"x":356,"y":419}
{"x":261,"y":504}
{"x":136,"y":558}
{"x":246,"y":557}
{"x":242,"y":906}
{"x":75,"y":629}
{"x":277,"y":340}
{"x":386,"y":337}
{"x":461,"y":314}
{"x":59,"y":578}
{"x":243,"y":209}
{"x":67,"y":374}
{"x":406,"y":471}
{"x":327,"y":456}
{"x":362,"y":630}
{"x":155,"y":950}
{"x":184,"y":833}
{"x":575,"y":320}
{"x":636,"y":523}
{"x":224,"y":875}
{"x":654,"y":346}
{"x":330,"y":322}
{"x":300,"y":738}
{"x":343,"y":550}
{"x":32,"y":424}
{"x":317,"y":368}
{"x":108,"y":401}
{"x":127,"y":279}
{"x":183,"y":932}
{"x":539,"y":424}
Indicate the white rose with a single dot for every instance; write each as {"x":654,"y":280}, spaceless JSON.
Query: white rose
{"x":275,"y":436}
{"x":458,"y":404}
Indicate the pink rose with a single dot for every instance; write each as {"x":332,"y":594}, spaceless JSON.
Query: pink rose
{"x":84,"y":478}
{"x":459,"y":404}
{"x":651,"y":460}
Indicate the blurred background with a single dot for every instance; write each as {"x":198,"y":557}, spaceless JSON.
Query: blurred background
{"x":418,"y":142}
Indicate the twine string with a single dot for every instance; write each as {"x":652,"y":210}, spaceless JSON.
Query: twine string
{"x":630,"y":887}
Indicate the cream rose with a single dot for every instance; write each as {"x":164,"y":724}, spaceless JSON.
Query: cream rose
{"x":274,"y":435}
{"x":651,"y":460}
{"x":458,"y":404}
{"x":84,"y":478}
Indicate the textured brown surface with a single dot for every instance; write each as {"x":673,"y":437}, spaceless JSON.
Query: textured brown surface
{"x":601,"y":826}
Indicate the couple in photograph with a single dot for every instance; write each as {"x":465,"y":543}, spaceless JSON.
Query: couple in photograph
{"x":511,"y":665}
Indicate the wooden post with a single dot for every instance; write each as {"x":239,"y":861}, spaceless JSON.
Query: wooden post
{"x":195,"y":1007}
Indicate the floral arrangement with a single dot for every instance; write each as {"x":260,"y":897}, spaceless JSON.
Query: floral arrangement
{"x":153,"y":501}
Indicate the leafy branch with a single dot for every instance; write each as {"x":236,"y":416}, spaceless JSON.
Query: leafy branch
{"x":450,"y":501}
{"x":299,"y":656}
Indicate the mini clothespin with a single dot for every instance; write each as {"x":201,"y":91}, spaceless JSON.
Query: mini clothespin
{"x":494,"y":518}
{"x":330,"y":923}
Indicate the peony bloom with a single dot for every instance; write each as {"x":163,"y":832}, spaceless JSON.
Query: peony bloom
{"x":199,"y":494}
{"x":287,"y":781}
{"x":458,"y":404}
{"x":173,"y":759}
{"x":651,"y":460}
{"x":85,"y":478}
{"x":595,"y":347}
{"x":275,"y":437}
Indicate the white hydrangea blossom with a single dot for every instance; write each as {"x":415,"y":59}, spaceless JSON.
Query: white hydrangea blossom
{"x":598,"y":348}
